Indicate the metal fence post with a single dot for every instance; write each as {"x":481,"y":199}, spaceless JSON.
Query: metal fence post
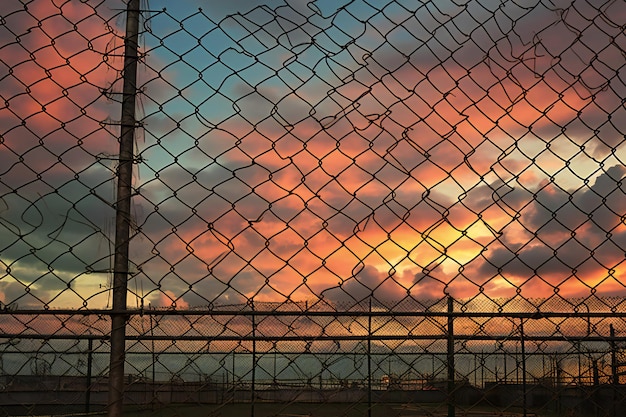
{"x":122,"y":215}
{"x":614,"y":370}
{"x":523,"y":351}
{"x":89,"y":375}
{"x":369,"y":359}
{"x":254,"y":361}
{"x":451,"y":407}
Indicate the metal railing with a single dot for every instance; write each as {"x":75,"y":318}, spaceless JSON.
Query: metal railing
{"x":338,"y":208}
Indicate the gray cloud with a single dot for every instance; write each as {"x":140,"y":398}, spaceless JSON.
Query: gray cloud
{"x":575,"y":235}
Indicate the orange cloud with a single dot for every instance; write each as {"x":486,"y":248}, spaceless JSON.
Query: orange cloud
{"x":458,"y":169}
{"x":424,"y":167}
{"x":57,"y":60}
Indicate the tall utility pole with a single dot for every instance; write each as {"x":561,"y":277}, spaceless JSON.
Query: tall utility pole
{"x":119,"y":315}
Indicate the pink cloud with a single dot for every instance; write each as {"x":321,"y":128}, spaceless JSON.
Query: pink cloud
{"x":168,"y":299}
{"x":327,"y":189}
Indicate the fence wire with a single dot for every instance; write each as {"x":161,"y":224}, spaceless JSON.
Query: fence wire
{"x":347,"y":208}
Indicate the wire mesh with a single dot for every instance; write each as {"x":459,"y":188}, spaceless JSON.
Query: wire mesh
{"x":347,"y":208}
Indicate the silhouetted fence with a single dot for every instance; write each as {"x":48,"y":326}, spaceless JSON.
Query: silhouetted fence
{"x":364,"y":207}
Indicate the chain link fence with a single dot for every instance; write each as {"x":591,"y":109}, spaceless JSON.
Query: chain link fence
{"x":313,"y":208}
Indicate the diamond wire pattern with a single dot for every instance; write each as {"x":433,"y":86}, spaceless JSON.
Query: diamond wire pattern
{"x":307,"y":179}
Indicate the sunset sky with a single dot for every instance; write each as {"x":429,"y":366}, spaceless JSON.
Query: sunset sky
{"x":327,"y":149}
